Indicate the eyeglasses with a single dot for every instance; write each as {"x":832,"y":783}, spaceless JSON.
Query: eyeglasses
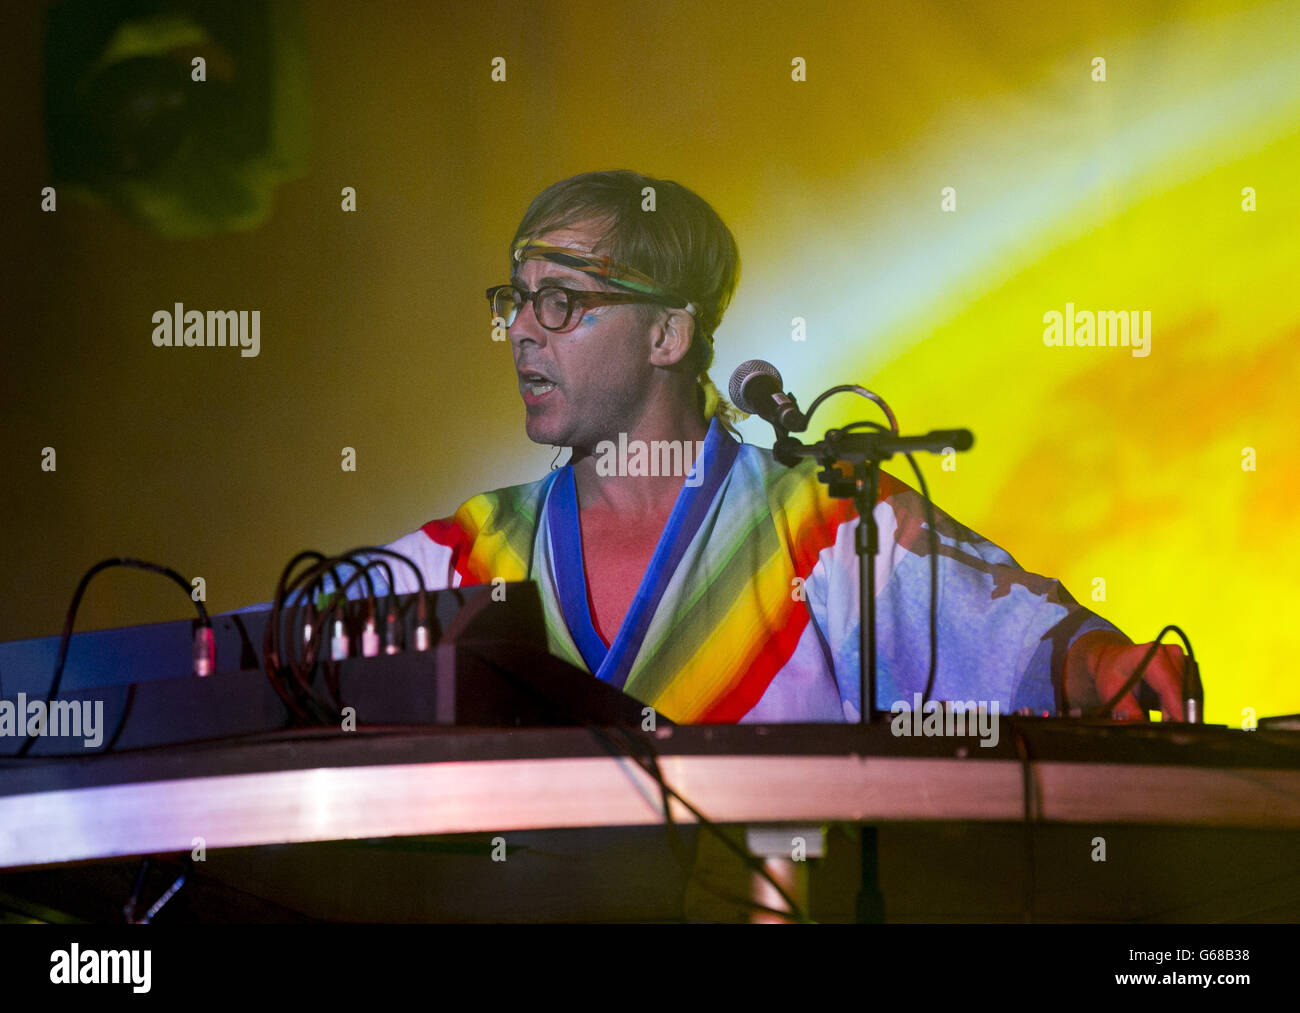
{"x":553,"y":306}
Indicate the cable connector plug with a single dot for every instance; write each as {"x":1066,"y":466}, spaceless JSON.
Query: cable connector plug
{"x":392,"y":632}
{"x":309,"y":625}
{"x":369,"y":639}
{"x":1193,"y":694}
{"x":205,"y":651}
{"x":339,"y":643}
{"x":421,"y":623}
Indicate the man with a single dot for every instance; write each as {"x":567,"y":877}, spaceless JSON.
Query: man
{"x":728,"y":593}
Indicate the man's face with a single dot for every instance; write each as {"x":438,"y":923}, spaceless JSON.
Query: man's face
{"x":599,"y":364}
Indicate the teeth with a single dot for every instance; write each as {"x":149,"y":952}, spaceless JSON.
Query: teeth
{"x":538,"y":388}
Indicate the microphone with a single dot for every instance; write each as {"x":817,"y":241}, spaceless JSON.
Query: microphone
{"x":755,"y":388}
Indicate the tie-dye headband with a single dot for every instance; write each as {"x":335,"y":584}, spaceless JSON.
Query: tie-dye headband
{"x":598,"y":266}
{"x":632,"y":280}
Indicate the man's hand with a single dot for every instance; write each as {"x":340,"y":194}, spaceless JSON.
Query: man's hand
{"x":1100,"y":662}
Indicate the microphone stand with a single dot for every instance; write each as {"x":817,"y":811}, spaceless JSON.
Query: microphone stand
{"x":864,"y":451}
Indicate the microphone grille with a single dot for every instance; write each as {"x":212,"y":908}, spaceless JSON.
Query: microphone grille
{"x":743,"y":372}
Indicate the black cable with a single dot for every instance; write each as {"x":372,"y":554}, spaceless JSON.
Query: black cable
{"x":331,"y":674}
{"x":385,"y":551}
{"x":932,"y":542}
{"x":421,"y":599}
{"x":853,"y":388}
{"x":932,"y":535}
{"x":1191,"y":672}
{"x":270,"y":654}
{"x":653,"y":769}
{"x":337,"y":597}
{"x":280,"y":655}
{"x":364,"y":552}
{"x":276,"y":646}
{"x":70,"y":619}
{"x":390,"y":581}
{"x":624,"y":739}
{"x":121,"y":721}
{"x":339,"y":600}
{"x":932,"y":539}
{"x":1028,"y":793}
{"x":273,"y":642}
{"x":132,"y":902}
{"x":311,"y":653}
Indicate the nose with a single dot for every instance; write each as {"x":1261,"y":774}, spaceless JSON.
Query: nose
{"x":526,"y":327}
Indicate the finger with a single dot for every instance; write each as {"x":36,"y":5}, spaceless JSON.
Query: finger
{"x":1165,"y":676}
{"x":1127,"y":710}
{"x":1111,"y":676}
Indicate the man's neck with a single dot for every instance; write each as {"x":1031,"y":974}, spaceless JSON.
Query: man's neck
{"x":639,"y":494}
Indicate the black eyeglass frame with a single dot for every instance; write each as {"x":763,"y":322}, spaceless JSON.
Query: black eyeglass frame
{"x":575,"y":298}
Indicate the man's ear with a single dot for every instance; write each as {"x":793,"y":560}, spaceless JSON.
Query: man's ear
{"x":672,"y":337}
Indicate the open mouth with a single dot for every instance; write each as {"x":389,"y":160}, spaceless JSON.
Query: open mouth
{"x":535,"y":384}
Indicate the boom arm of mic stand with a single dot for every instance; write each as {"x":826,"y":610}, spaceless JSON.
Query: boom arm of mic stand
{"x":866,"y":447}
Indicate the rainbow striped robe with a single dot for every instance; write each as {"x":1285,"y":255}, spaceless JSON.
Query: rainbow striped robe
{"x":749,"y":608}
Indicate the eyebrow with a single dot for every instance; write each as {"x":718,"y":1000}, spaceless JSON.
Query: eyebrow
{"x":564,"y":281}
